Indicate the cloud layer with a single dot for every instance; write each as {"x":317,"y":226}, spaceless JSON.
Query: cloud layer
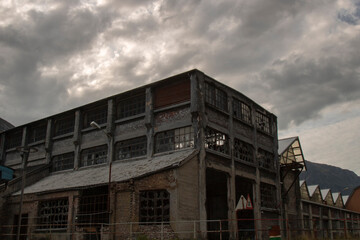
{"x":296,"y":58}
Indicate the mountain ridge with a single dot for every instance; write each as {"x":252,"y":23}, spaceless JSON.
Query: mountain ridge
{"x":328,"y":176}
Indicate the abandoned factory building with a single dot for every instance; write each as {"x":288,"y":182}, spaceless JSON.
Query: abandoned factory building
{"x":170,"y":158}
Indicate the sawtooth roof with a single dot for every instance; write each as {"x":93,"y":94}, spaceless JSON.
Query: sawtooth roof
{"x":99,"y":175}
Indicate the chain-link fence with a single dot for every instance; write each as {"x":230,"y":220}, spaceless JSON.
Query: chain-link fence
{"x":240,"y":229}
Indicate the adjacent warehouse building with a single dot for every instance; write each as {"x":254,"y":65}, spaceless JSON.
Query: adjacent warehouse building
{"x":169,"y":158}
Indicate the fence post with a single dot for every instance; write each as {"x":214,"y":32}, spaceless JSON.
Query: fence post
{"x":162,"y":230}
{"x":131,"y":230}
{"x":194,"y":229}
{"x":220,"y":230}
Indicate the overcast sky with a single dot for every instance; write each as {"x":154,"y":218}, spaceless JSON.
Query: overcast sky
{"x":299,"y":59}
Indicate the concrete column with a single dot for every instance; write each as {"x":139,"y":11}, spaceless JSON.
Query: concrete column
{"x":149,"y":121}
{"x":232,"y":180}
{"x":48,"y":141}
{"x":201,"y":123}
{"x":110,"y":127}
{"x":77,"y":139}
{"x":24,"y":137}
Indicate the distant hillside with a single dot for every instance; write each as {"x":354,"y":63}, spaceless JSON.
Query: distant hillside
{"x":327,"y":176}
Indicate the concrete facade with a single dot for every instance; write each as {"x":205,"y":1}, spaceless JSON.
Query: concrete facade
{"x":221,"y":145}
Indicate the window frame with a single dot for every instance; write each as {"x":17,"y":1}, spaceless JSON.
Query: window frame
{"x":149,"y":204}
{"x":13,"y":139}
{"x":266,"y":159}
{"x":263,"y":122}
{"x":268,"y":198}
{"x":243,"y":151}
{"x":127,"y":106}
{"x":62,"y":216}
{"x":64,"y":125}
{"x":174,"y":139}
{"x":242,"y":111}
{"x":37,"y":133}
{"x":134,"y":145}
{"x":216,"y":97}
{"x":63,"y":159}
{"x":219,"y":141}
{"x":94,"y":160}
{"x":97,"y":114}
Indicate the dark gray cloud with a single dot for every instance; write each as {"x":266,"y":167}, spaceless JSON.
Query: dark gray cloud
{"x":297,"y":57}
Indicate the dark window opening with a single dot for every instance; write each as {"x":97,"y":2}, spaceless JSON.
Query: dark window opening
{"x":64,"y":125}
{"x":63,"y":162}
{"x":243,"y":151}
{"x":37,"y":133}
{"x":131,"y":107}
{"x":93,"y":207}
{"x":94,"y":156}
{"x":154,"y":206}
{"x":174,"y":139}
{"x":53,"y":214}
{"x":13,"y":139}
{"x":216,"y":140}
{"x":262,"y":122}
{"x":216,"y":97}
{"x":242,"y":111}
{"x":98,"y":115}
{"x":265,"y":159}
{"x":131,"y":148}
{"x":268,"y":195}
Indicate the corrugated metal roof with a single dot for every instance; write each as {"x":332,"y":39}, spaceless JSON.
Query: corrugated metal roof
{"x":97,"y":175}
{"x":285,"y":144}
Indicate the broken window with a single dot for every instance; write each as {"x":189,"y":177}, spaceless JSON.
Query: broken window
{"x":98,"y":115}
{"x":242,"y":111}
{"x":64,"y":125}
{"x":131,"y":148}
{"x":63,"y":162}
{"x":13,"y":139}
{"x":216,"y":140}
{"x":174,"y":139}
{"x":37,"y":133}
{"x":93,"y":156}
{"x":265,"y":159}
{"x":243,"y":151}
{"x":131,"y":106}
{"x":53,"y":214}
{"x":268,"y":195}
{"x":216,"y":97}
{"x":154,"y":206}
{"x":262,"y":122}
{"x":93,"y":206}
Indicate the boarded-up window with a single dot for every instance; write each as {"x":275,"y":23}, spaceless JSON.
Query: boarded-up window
{"x":172,"y":94}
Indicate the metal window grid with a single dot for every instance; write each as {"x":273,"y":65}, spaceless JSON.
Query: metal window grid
{"x":37,"y":133}
{"x":262,"y":122}
{"x":265,"y":159}
{"x":53,"y":214}
{"x":216,"y":140}
{"x":131,"y":148}
{"x":93,"y":209}
{"x":216,"y":97}
{"x":268,"y":195}
{"x":63,"y":162}
{"x":131,"y":107}
{"x":93,"y":156}
{"x":174,"y":139}
{"x":242,"y":111}
{"x":154,"y":206}
{"x":98,"y":115}
{"x":65,"y":125}
{"x":243,"y":151}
